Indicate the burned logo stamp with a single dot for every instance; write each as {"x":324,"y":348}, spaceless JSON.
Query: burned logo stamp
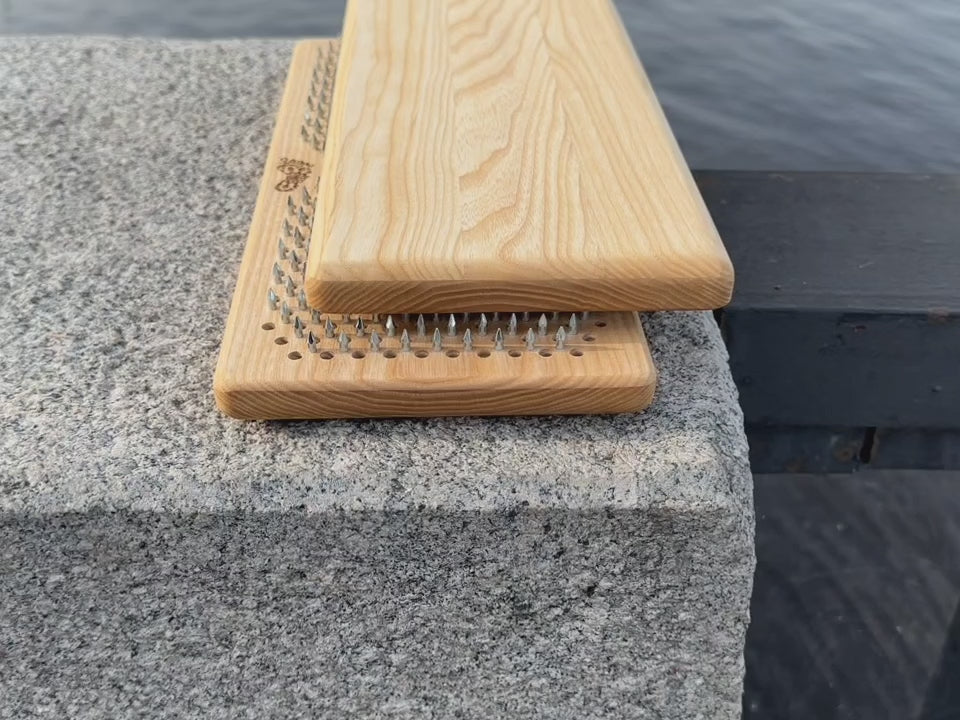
{"x":295,"y":172}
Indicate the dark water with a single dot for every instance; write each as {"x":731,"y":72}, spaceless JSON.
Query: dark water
{"x":748,"y":84}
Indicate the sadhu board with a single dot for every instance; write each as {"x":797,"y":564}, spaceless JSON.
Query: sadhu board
{"x":283,"y":357}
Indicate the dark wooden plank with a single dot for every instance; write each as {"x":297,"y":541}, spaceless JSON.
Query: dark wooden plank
{"x":795,"y":449}
{"x":840,"y":241}
{"x":846,"y":310}
{"x":915,"y":448}
{"x":802,"y":449}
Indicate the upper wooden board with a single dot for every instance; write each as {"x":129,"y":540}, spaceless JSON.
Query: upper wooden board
{"x":503,"y":155}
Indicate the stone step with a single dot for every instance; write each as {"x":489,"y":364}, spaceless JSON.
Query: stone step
{"x":160,"y":557}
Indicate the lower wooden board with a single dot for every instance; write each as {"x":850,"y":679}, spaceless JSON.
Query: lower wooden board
{"x":282,"y":359}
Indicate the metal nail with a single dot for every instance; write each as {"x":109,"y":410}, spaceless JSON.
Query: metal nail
{"x":298,"y":326}
{"x":277,"y":274}
{"x":421,"y":326}
{"x":311,"y":342}
{"x":302,"y":299}
{"x":468,"y":340}
{"x":361,"y":328}
{"x":306,"y":196}
{"x":437,"y":340}
{"x":290,"y":287}
{"x":315,"y":316}
{"x":561,"y":338}
{"x":482,"y":327}
{"x":285,"y":313}
{"x":531,"y":339}
{"x":542,"y":324}
{"x":574,"y":324}
{"x":375,"y":341}
{"x":526,"y":317}
{"x":390,"y":327}
{"x":281,"y":250}
{"x":287,"y":228}
{"x":452,"y":326}
{"x":302,"y":217}
{"x":498,"y":340}
{"x":512,"y":325}
{"x":405,"y":341}
{"x":344,"y":341}
{"x":291,"y":205}
{"x":329,"y":329}
{"x":272,"y":299}
{"x":298,"y":238}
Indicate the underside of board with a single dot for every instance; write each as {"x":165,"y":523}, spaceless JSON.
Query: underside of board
{"x":281,"y":358}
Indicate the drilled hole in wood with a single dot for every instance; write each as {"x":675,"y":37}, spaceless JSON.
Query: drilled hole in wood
{"x":389,"y":354}
{"x":577,"y":353}
{"x":546,"y":353}
{"x":281,"y":341}
{"x":452,"y":354}
{"x":358,"y":354}
{"x":422,"y":353}
{"x":483,"y":354}
{"x":514,"y":353}
{"x":294,"y":356}
{"x":589,"y":338}
{"x":326,"y":355}
{"x":268,"y":326}
{"x":600,"y":323}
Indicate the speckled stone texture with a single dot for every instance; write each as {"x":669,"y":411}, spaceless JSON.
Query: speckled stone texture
{"x":161,"y":560}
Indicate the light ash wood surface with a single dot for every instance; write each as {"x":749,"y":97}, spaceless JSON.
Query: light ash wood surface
{"x":504,"y":155}
{"x":266,"y":371}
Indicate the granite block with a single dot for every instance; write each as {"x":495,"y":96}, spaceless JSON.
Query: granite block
{"x":158,"y":558}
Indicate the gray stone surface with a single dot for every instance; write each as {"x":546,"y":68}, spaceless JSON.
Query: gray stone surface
{"x":159,"y":559}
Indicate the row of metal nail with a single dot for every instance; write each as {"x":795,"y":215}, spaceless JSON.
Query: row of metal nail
{"x":296,"y":228}
{"x":314,"y":127}
{"x":439,"y":342}
{"x":450,"y":337}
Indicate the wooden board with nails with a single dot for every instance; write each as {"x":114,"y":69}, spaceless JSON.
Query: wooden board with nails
{"x":501,"y":156}
{"x":283,"y":359}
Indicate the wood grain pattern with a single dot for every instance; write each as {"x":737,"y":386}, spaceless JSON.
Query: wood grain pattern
{"x":504,"y":155}
{"x":266,"y":369}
